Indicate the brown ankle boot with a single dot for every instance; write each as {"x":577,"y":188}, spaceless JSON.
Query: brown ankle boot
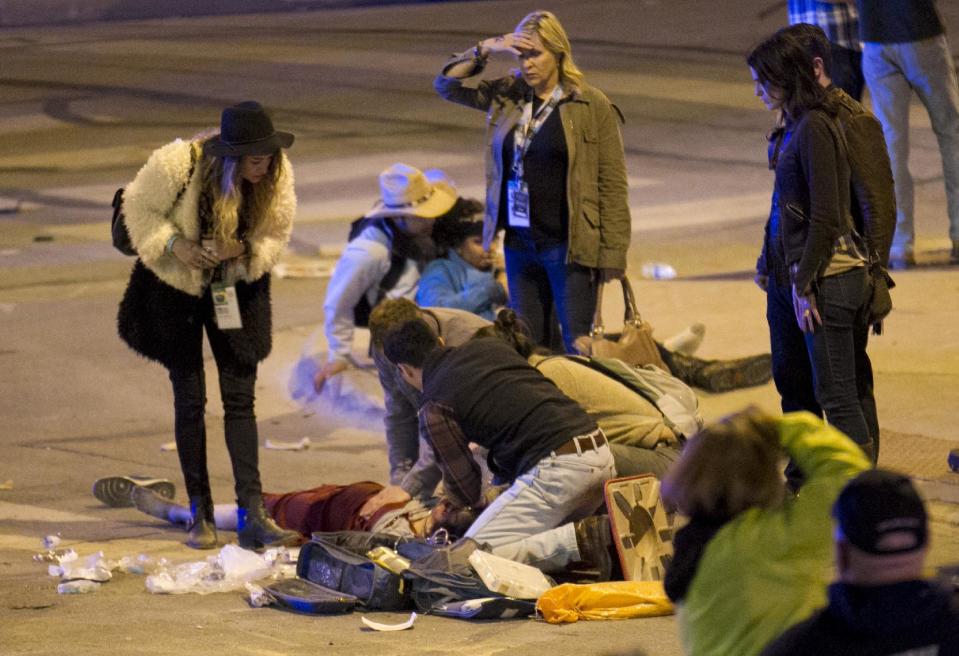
{"x":594,"y":538}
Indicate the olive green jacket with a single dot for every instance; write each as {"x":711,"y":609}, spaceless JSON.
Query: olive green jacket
{"x":596,"y":187}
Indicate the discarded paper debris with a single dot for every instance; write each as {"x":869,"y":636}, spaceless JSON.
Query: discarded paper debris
{"x":378,"y":626}
{"x":301,"y":444}
{"x":6,"y":485}
{"x":658,"y":271}
{"x":168,"y":446}
{"x":302,"y":270}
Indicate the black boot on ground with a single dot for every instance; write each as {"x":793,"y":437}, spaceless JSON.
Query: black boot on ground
{"x":202,"y":529}
{"x":594,"y":538}
{"x":257,"y":530}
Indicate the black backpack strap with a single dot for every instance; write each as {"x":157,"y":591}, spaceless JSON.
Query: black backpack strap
{"x":189,"y":175}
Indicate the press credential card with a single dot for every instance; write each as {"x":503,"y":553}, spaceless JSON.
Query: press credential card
{"x":226,"y":307}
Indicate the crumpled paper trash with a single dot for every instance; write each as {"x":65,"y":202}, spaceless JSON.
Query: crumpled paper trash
{"x":379,"y":626}
{"x":301,"y":444}
{"x":259,"y":597}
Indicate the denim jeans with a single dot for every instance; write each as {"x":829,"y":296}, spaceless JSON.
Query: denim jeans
{"x":237,"y":381}
{"x":540,"y":280}
{"x":826,"y":371}
{"x":530,"y":521}
{"x":893,"y":71}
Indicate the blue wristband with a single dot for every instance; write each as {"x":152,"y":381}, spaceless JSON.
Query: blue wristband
{"x":169,"y":244}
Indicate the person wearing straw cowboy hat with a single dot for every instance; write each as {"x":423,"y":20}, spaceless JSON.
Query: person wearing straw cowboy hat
{"x":209,"y":218}
{"x":387,"y":250}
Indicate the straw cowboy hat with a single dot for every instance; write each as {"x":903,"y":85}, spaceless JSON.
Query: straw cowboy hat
{"x":407,"y":191}
{"x":246,"y":129}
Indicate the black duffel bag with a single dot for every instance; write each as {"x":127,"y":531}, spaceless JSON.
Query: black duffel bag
{"x":338,"y":561}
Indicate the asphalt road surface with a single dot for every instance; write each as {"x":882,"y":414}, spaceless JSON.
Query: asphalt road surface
{"x":81,"y":108}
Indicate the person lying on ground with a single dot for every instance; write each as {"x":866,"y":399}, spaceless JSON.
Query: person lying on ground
{"x":325,"y":508}
{"x":466,"y":278}
{"x":539,"y":441}
{"x":752,"y":562}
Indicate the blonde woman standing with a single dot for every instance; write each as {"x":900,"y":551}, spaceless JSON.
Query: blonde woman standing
{"x":209,"y":218}
{"x":555,"y":174}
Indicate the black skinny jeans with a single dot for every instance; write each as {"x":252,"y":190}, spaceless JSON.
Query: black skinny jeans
{"x":237,"y":381}
{"x":827,"y":370}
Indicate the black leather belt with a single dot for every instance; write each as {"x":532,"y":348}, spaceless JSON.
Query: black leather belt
{"x":585,"y":443}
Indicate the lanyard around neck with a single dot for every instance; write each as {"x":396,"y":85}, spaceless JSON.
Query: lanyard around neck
{"x":529,"y":125}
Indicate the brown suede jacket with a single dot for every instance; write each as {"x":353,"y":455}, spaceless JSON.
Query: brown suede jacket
{"x":874,"y":198}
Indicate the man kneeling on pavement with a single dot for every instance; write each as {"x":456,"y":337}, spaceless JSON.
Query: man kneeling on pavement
{"x":542,"y":443}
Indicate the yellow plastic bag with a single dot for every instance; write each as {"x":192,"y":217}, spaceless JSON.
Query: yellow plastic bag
{"x":613,"y":600}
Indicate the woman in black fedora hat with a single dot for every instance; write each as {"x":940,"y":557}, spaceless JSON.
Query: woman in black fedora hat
{"x":209,"y":218}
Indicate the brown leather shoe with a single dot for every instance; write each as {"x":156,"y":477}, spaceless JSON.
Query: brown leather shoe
{"x":594,"y":539}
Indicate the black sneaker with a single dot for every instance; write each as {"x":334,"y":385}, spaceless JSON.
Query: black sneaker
{"x":114,"y":491}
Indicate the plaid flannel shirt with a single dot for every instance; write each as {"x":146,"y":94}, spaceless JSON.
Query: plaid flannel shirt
{"x":838,"y":20}
{"x":462,"y":478}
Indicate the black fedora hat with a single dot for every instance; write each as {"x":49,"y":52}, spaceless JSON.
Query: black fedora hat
{"x":246,"y":129}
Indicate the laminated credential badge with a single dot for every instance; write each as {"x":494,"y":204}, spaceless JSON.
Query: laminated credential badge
{"x":226,"y":307}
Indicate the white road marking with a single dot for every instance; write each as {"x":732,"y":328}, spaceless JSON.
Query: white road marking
{"x":21,"y":513}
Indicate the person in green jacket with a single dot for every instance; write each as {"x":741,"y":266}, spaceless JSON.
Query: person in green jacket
{"x":753,"y":561}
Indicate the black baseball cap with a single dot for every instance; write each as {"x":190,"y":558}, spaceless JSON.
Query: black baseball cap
{"x":881,"y":513}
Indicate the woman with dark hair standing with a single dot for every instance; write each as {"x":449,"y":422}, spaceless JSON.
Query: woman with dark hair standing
{"x":555,"y":174}
{"x":209,"y":218}
{"x":813,"y":267}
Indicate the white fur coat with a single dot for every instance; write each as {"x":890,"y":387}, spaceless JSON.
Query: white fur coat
{"x":146,"y":206}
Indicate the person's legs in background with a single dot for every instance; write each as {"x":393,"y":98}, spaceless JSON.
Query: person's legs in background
{"x":189,"y":406}
{"x":891,"y":93}
{"x":929,"y":66}
{"x":237,"y":391}
{"x":831,"y":347}
{"x":792,"y":371}
{"x":529,"y":289}
{"x":573,"y":288}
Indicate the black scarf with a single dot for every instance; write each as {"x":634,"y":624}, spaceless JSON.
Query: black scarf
{"x":689,"y":543}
